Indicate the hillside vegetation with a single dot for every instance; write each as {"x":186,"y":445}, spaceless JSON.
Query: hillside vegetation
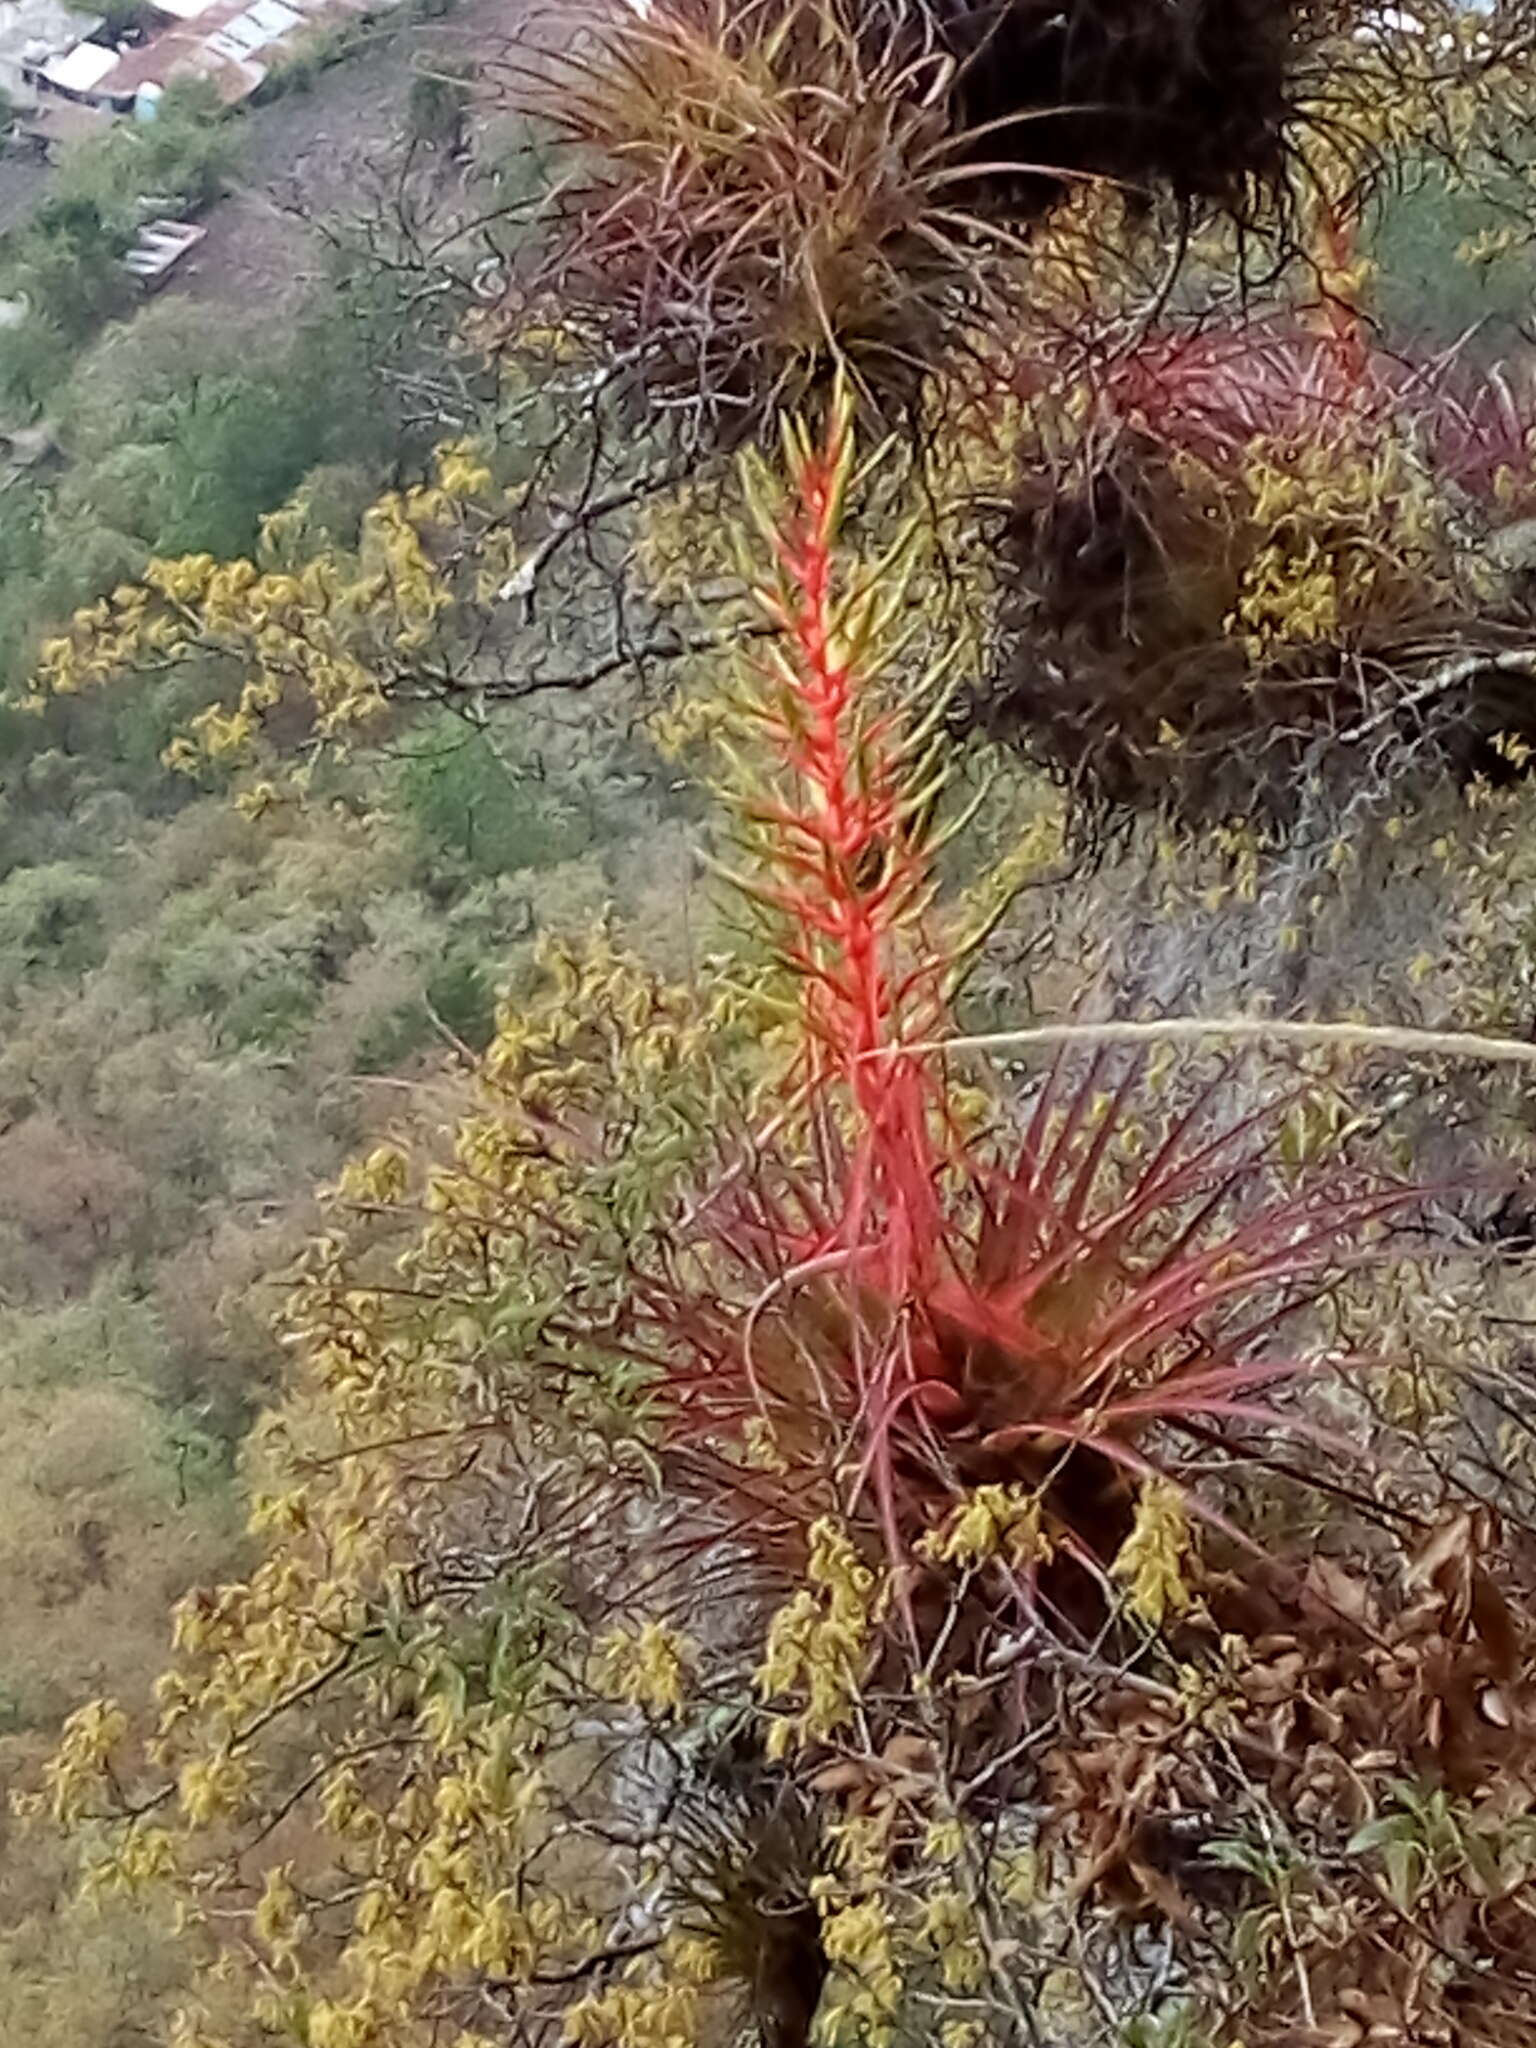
{"x":203,"y":1015}
{"x":571,"y":1475}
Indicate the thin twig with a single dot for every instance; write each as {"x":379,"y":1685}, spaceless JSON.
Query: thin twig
{"x":1173,"y":1030}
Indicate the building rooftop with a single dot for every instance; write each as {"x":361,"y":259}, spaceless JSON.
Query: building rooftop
{"x":36,"y":29}
{"x":80,"y":69}
{"x":181,"y":50}
{"x":230,"y":42}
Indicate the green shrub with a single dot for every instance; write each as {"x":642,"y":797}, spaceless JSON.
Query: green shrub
{"x":201,"y":1459}
{"x":112,"y":1326}
{"x":250,"y":968}
{"x":335,"y":495}
{"x":67,"y":260}
{"x":466,"y":804}
{"x":390,"y":1037}
{"x":436,"y":109}
{"x":182,"y":157}
{"x":68,"y":266}
{"x":143,"y":719}
{"x":49,"y":919}
{"x":461,"y":992}
{"x":272,"y":1014}
{"x":32,"y":360}
{"x":182,"y":442}
{"x":301,"y":63}
{"x":1421,"y":231}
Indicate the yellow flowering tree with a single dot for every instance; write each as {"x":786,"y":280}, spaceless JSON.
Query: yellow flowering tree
{"x":335,"y":629}
{"x":371,"y":1759}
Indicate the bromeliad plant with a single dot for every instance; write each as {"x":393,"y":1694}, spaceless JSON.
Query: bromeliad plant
{"x":760,"y":190}
{"x":968,"y":1341}
{"x":1251,"y":563}
{"x":760,"y":193}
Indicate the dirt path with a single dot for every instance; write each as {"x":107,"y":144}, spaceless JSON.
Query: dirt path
{"x":326,"y":150}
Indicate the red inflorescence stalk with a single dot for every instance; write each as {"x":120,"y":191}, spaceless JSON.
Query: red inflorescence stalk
{"x":848,"y":874}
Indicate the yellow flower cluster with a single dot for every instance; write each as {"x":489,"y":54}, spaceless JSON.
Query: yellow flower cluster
{"x":864,"y":1998}
{"x":1342,"y":534}
{"x":382,"y":1177}
{"x":949,"y":1928}
{"x":71,"y":1778}
{"x":647,"y":1667}
{"x":818,"y":1641}
{"x":992,"y":1521}
{"x":279,"y":1922}
{"x":636,"y":2016}
{"x":304,"y":618}
{"x":1151,"y":1561}
{"x":213,"y":1787}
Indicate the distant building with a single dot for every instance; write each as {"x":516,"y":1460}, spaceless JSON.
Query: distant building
{"x":159,"y":247}
{"x":63,"y":59}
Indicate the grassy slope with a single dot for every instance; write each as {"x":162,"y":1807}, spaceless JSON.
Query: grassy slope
{"x":200,"y":1016}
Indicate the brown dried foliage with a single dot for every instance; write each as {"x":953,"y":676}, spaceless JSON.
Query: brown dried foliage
{"x":1362,"y":1763}
{"x":1193,"y":99}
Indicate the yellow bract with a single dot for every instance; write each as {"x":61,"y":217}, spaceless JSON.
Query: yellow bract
{"x":1151,"y":1559}
{"x":818,"y":1641}
{"x":648,"y":1667}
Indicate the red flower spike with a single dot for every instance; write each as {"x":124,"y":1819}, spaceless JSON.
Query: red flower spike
{"x":912,"y":1313}
{"x":841,"y":869}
